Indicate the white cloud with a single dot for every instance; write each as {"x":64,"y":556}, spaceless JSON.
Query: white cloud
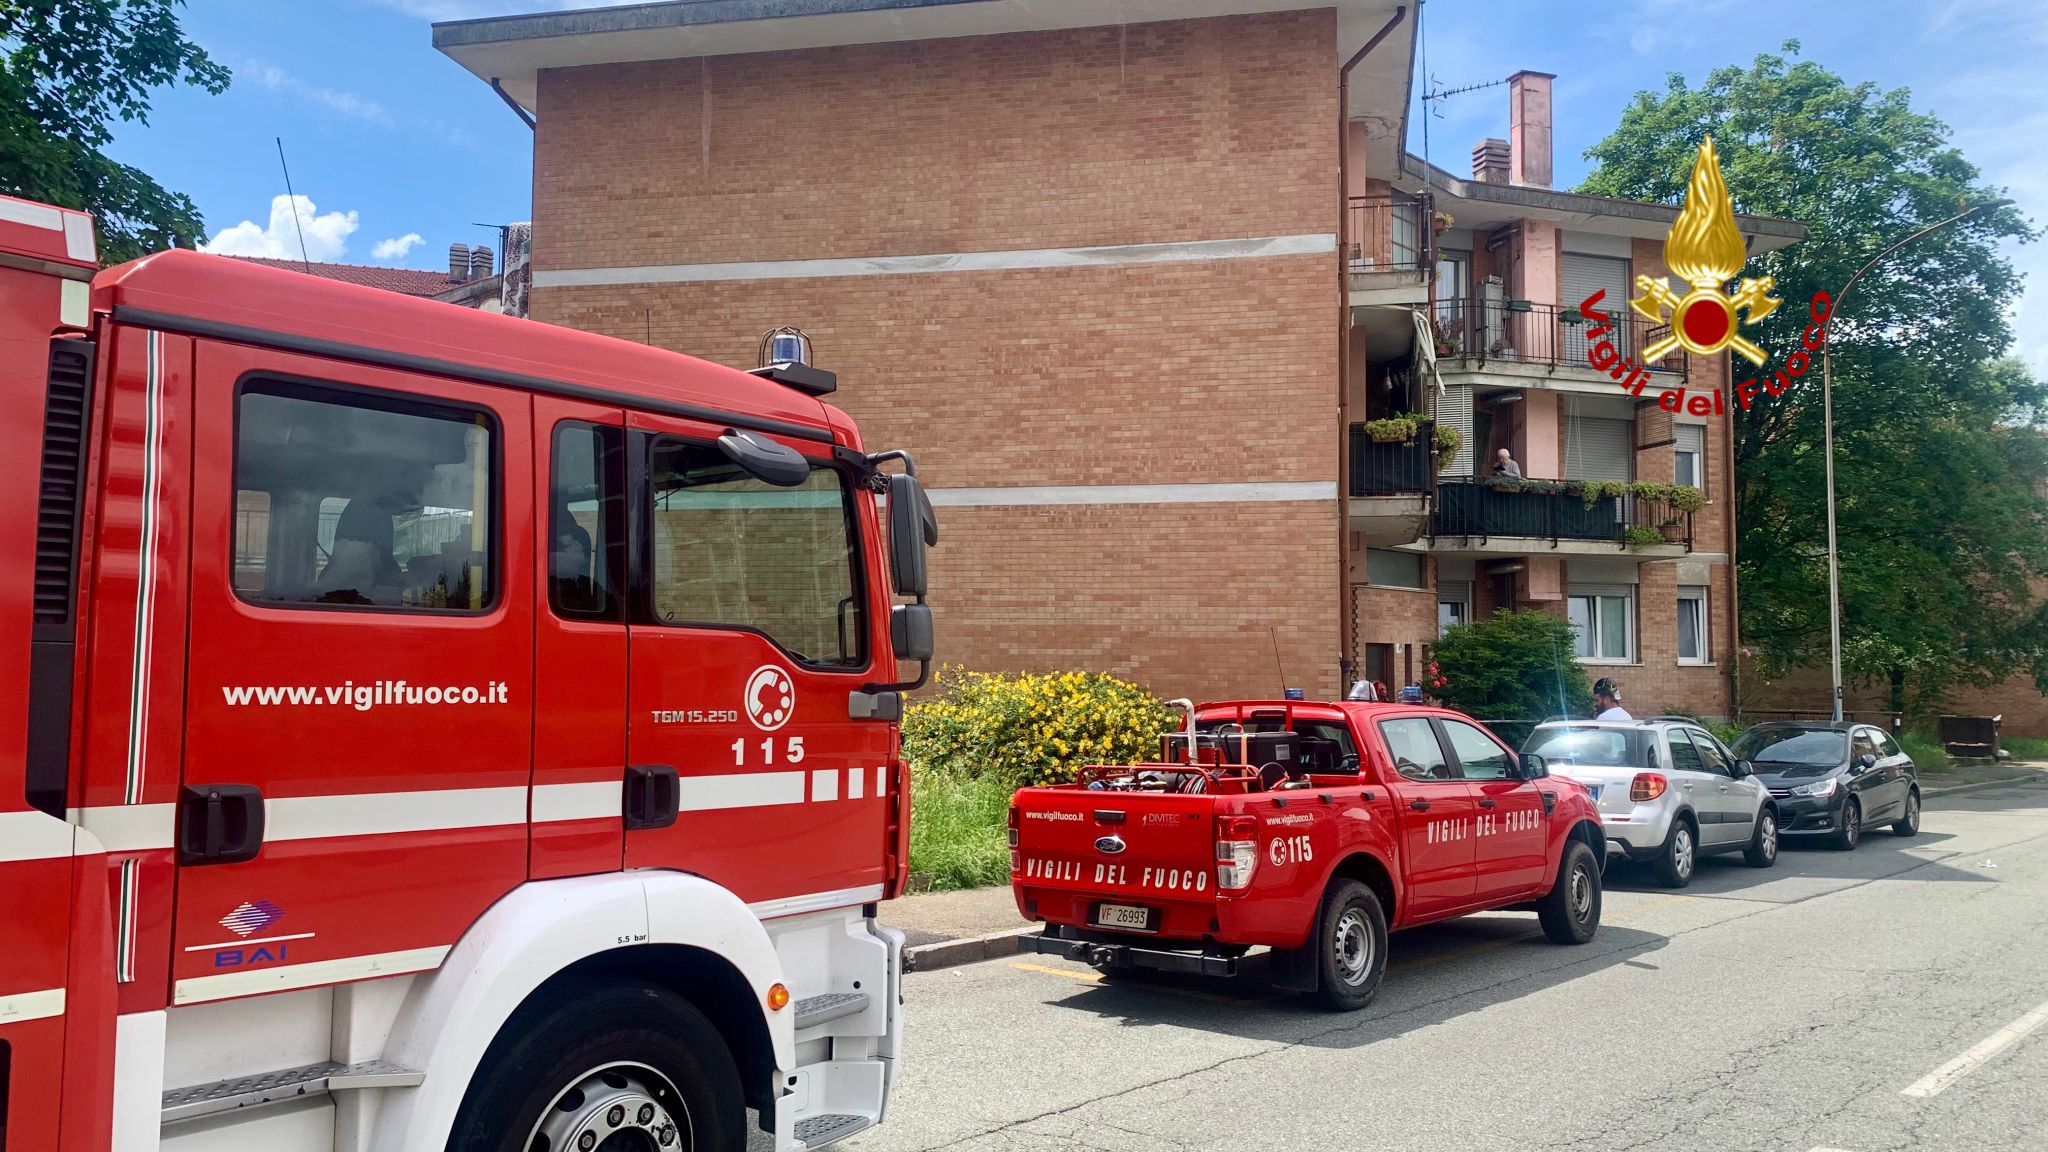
{"x":326,"y":237}
{"x":396,"y":247}
{"x":274,"y":79}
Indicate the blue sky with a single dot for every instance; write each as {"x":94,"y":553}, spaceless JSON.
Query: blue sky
{"x":390,"y":140}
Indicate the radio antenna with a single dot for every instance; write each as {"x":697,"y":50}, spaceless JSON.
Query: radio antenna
{"x":294,"y":198}
{"x":1277,"y":665}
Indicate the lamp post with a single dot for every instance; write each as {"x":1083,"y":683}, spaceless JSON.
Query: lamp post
{"x":1827,"y":408}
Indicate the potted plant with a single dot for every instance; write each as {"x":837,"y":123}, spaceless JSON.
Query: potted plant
{"x":1641,"y":536}
{"x":1448,"y":441}
{"x":1446,"y":341}
{"x":1392,"y":429}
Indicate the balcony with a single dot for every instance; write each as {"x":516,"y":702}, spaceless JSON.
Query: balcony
{"x":1520,"y":337}
{"x":1390,"y":486}
{"x":1532,"y":516}
{"x":1388,"y":239}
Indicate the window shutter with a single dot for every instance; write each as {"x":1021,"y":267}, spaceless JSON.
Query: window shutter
{"x":1597,"y":449}
{"x":1454,"y":409}
{"x":1585,"y":275}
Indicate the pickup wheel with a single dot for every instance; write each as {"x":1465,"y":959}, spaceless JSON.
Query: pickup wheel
{"x":619,"y":1065}
{"x":1571,"y":913}
{"x":1350,"y":946}
{"x":1681,"y":851}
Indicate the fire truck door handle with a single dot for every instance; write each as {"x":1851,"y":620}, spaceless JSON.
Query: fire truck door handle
{"x":219,"y":824}
{"x":654,"y":796}
{"x":1419,"y":805}
{"x":1488,"y":802}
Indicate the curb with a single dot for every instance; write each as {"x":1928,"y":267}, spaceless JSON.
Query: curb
{"x":971,"y":950}
{"x":1982,"y":785}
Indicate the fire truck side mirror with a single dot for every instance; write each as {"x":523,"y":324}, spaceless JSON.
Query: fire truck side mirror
{"x":910,"y":632}
{"x":912,"y":527}
{"x":764,"y":459}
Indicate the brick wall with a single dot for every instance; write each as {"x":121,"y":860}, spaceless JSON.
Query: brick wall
{"x":1172,"y":373}
{"x":1142,"y":133}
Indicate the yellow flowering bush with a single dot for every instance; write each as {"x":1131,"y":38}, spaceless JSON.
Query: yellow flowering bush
{"x":1033,"y":728}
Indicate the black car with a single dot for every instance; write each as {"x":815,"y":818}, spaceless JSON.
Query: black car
{"x":1834,"y":779}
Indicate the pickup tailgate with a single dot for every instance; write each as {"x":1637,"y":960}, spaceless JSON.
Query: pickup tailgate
{"x":1124,"y":861}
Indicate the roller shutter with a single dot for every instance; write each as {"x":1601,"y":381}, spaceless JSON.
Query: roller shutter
{"x":1585,"y":275}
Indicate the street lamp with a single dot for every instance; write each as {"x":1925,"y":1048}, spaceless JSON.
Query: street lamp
{"x":1827,"y":407}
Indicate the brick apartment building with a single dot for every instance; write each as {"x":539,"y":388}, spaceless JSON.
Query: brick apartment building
{"x":1091,"y":274}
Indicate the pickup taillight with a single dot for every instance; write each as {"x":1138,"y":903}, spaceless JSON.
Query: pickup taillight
{"x":1014,"y":862}
{"x":1237,"y":853}
{"x":1647,"y":786}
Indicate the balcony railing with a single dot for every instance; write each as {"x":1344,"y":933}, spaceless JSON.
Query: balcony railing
{"x":1407,"y":468}
{"x":1388,"y":232}
{"x":1553,"y":511}
{"x":1546,"y":335}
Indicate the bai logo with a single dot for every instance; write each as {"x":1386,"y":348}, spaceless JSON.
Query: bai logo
{"x":1705,"y":249}
{"x":770,"y":697}
{"x":247,"y":919}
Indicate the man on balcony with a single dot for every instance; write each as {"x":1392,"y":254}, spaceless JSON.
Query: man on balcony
{"x":1505,"y":466}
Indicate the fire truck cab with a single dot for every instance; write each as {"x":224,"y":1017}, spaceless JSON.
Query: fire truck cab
{"x":430,"y":729}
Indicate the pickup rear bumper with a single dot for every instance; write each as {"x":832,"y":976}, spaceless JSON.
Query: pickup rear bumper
{"x":1114,"y":954}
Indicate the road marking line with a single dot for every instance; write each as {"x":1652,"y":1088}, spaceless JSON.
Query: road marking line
{"x":1083,"y":977}
{"x":1936,"y":1081}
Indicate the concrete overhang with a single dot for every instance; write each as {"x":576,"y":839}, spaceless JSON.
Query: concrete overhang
{"x":1479,"y":205}
{"x":514,"y":50}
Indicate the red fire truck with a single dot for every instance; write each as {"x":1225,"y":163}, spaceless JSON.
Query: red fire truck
{"x":427,"y":729}
{"x":1309,"y":829}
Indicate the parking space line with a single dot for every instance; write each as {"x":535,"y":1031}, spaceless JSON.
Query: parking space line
{"x":1936,"y":1081}
{"x":1083,"y":977}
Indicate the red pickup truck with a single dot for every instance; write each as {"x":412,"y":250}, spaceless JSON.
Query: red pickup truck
{"x":1309,"y":829}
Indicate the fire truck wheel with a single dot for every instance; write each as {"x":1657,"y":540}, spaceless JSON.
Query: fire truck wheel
{"x":1351,"y":947}
{"x":604,"y":1066}
{"x":1571,"y":913}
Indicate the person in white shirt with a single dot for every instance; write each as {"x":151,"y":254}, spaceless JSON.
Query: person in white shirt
{"x":1607,"y":701}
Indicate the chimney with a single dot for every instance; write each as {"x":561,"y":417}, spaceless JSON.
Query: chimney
{"x":480,"y":262}
{"x":1490,"y":161}
{"x":1529,"y":128}
{"x":458,"y":263}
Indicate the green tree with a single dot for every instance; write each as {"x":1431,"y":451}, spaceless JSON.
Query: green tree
{"x":71,"y":69}
{"x":1938,"y":469}
{"x":1513,"y":667}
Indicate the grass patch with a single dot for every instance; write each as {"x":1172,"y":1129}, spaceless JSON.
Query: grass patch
{"x":2025,"y":747}
{"x":1926,"y":752}
{"x":958,"y":829}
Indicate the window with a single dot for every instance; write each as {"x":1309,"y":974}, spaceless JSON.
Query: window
{"x":1689,"y":455}
{"x":344,"y":499}
{"x":1453,"y":604}
{"x":1692,"y":625}
{"x":1711,"y":755}
{"x":1480,"y":756}
{"x":1385,"y":569}
{"x":735,"y":552}
{"x":1417,"y":755}
{"x":1598,"y":747}
{"x":586,"y":522}
{"x":1887,"y":745}
{"x":1602,"y":618}
{"x":1684,"y":757}
{"x":1864,"y":744}
{"x":1452,"y":287}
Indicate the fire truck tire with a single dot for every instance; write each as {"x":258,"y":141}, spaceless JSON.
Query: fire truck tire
{"x":1570,"y":914}
{"x":606,"y":1060}
{"x":1351,"y":947}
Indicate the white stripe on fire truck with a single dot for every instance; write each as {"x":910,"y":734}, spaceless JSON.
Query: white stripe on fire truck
{"x":597,"y":801}
{"x":22,"y":1007}
{"x":145,"y":568}
{"x":742,"y":790}
{"x":381,"y":813}
{"x":815,"y":902}
{"x":33,"y":835}
{"x":128,"y":827}
{"x":124,"y":924}
{"x":278,"y":978}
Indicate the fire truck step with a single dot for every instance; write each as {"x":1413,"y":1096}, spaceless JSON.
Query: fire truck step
{"x":812,"y":1011}
{"x":286,"y":1084}
{"x":818,"y":1131}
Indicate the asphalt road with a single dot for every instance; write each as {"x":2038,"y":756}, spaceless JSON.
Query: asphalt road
{"x":1859,"y":1002}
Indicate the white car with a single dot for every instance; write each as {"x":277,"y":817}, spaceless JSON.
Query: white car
{"x":1667,"y":790}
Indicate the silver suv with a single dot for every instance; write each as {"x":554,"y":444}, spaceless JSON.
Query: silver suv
{"x":1667,"y":791}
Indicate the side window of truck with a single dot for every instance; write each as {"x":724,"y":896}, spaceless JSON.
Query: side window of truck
{"x":586,"y":522}
{"x":731,"y":551}
{"x":1481,"y":757}
{"x":1417,"y":755}
{"x":345,"y":499}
